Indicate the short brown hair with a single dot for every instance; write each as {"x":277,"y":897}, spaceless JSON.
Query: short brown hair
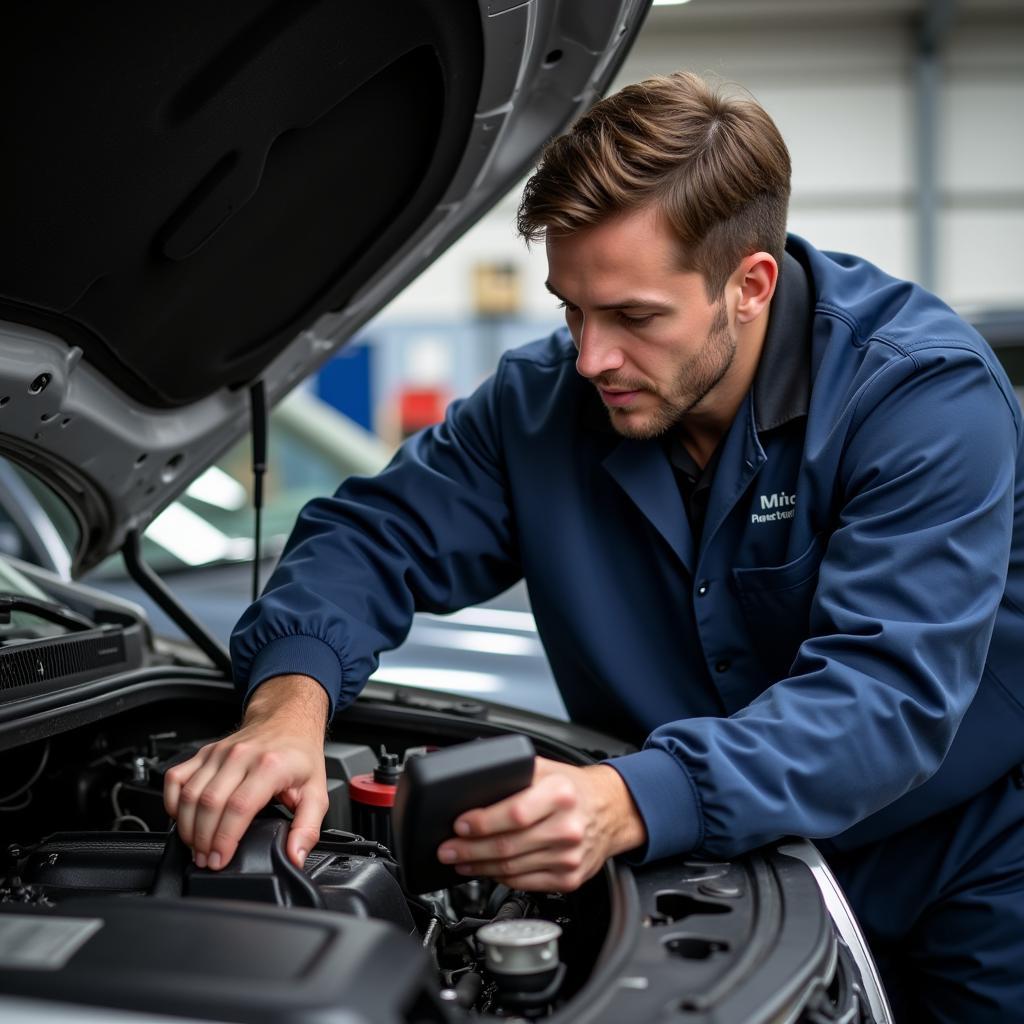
{"x":716,"y":166}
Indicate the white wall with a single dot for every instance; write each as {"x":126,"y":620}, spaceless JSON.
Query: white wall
{"x":982,"y":162}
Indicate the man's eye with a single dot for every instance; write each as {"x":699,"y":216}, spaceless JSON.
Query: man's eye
{"x":634,"y":321}
{"x":568,"y":307}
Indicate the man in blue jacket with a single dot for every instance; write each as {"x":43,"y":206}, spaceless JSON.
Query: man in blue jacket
{"x":765,"y":500}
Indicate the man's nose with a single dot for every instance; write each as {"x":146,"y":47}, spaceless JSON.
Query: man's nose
{"x":598,"y":352}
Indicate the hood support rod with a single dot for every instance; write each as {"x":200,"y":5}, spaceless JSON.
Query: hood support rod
{"x":155,"y":587}
{"x":258,"y":407}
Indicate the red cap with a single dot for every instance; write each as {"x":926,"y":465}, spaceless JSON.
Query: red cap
{"x":364,"y":790}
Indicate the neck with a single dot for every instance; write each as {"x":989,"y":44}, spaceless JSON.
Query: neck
{"x":701,"y":429}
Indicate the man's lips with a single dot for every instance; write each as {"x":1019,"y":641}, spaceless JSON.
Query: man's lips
{"x":617,"y":397}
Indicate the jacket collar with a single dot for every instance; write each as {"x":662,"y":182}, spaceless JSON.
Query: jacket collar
{"x":782,"y":385}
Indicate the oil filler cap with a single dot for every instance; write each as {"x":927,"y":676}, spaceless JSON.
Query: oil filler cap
{"x":521,"y":956}
{"x":525,"y":946}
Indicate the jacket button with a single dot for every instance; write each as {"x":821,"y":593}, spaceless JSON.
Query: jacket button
{"x":723,"y":665}
{"x":702,"y":588}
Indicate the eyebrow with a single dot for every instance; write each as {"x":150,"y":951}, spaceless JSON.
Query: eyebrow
{"x":631,"y":302}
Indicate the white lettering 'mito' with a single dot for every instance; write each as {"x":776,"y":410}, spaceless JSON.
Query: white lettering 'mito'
{"x":780,"y":499}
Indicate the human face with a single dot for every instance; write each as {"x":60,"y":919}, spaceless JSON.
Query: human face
{"x":648,"y":337}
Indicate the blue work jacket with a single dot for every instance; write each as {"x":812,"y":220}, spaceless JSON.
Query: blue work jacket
{"x":842,"y":652}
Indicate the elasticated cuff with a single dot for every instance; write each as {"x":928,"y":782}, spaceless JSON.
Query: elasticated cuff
{"x":301,"y":655}
{"x":666,"y":797}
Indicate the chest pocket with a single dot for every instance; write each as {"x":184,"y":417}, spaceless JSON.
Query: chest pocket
{"x":776,"y":602}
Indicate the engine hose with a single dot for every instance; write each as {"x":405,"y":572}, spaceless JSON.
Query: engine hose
{"x":467,"y":989}
{"x":512,"y":908}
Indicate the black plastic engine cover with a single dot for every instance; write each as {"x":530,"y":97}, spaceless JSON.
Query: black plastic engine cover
{"x":212,"y":959}
{"x":76,"y":865}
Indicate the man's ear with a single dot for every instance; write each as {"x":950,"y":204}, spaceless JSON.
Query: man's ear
{"x":755,"y":278}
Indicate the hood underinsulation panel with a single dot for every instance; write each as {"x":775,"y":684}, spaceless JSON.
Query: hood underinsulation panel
{"x":239,"y":168}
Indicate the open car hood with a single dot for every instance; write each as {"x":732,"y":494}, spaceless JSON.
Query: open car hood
{"x":200,"y":196}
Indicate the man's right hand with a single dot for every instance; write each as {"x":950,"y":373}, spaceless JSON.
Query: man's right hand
{"x":277,"y":753}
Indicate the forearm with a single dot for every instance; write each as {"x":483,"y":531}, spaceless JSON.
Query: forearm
{"x":298,"y":699}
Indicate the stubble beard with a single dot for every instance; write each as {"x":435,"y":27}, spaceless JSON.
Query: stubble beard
{"x":695,"y":379}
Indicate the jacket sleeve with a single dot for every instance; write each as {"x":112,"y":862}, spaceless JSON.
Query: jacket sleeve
{"x":431,"y":532}
{"x":900,"y":624}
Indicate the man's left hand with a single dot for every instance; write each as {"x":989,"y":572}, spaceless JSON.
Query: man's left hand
{"x":552,"y":836}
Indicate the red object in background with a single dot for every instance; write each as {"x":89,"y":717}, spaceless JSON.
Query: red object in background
{"x":419,"y":408}
{"x":365,"y":789}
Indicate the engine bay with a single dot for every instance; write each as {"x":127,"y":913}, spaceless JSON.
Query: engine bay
{"x":113,"y":856}
{"x":102,"y":906}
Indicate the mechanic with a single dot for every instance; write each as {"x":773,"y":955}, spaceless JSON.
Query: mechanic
{"x":764,"y":500}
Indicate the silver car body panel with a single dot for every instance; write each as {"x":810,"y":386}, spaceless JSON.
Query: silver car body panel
{"x":847,"y":926}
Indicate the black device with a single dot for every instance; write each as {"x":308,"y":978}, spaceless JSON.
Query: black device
{"x":436,"y":788}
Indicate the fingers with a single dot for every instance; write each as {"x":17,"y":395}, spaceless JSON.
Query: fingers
{"x":309,"y":816}
{"x":549,"y":795}
{"x":538,"y":835}
{"x":552,"y":834}
{"x":176,"y":777}
{"x":216,"y":794}
{"x":548,"y":838}
{"x":554,"y":861}
{"x":560,"y":865}
{"x":227,"y":809}
{"x":191,"y":791}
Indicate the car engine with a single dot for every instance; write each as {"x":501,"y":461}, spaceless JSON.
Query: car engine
{"x":101,"y":904}
{"x":116,"y":859}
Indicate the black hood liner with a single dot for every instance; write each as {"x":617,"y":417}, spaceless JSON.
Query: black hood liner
{"x":195,"y":183}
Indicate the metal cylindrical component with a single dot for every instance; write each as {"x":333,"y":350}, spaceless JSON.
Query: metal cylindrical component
{"x":523,"y":953}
